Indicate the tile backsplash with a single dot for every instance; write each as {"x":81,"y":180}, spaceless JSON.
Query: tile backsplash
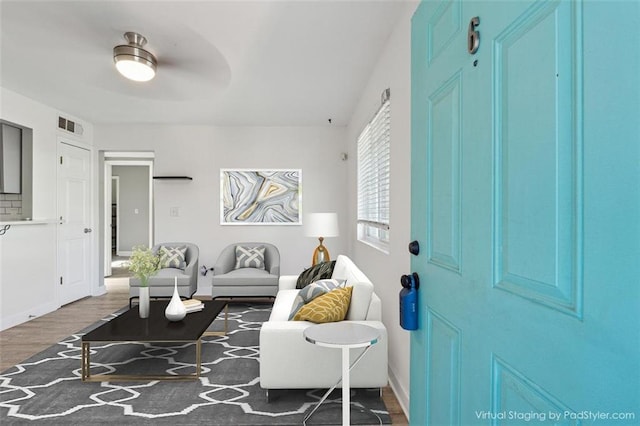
{"x":10,"y":206}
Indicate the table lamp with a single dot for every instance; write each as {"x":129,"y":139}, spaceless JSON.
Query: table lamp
{"x":321,"y":226}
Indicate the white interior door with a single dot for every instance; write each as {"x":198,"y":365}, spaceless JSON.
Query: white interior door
{"x":75,"y":229}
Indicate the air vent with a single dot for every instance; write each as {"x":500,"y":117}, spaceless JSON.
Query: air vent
{"x":70,"y":126}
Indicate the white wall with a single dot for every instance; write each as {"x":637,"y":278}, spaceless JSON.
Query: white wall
{"x":393,"y":71}
{"x":201,"y":151}
{"x":28,"y":253}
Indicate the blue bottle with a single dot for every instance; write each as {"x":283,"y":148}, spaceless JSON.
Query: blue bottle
{"x":409,"y":308}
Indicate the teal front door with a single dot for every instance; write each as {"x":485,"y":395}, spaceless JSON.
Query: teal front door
{"x":526,"y":206}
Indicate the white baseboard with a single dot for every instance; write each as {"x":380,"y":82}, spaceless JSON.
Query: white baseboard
{"x":117,"y":285}
{"x":99,"y":291}
{"x":27,"y":315}
{"x":402,"y":395}
{"x":124,"y":253}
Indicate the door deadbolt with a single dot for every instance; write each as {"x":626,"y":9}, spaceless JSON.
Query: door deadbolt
{"x":414,"y":248}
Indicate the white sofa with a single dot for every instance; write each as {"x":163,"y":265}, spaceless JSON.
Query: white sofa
{"x":288,"y":361}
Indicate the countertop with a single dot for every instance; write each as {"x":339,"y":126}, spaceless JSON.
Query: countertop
{"x":27,"y":222}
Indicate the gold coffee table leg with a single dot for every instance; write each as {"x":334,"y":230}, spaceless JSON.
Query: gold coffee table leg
{"x":87,"y":377}
{"x":226,"y":326}
{"x":198,"y":357}
{"x":86,"y":361}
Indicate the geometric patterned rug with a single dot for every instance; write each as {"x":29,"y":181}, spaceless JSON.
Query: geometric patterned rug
{"x":47,"y":387}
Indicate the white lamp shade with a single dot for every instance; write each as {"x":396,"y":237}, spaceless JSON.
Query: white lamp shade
{"x":134,"y":69}
{"x":321,"y":225}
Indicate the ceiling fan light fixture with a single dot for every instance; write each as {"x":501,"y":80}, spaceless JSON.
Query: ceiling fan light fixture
{"x":132,"y":61}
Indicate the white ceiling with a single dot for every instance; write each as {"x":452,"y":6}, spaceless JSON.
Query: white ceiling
{"x":274,"y":63}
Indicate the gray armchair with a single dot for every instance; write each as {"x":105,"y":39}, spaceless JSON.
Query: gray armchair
{"x":246,"y":282}
{"x":161,"y":284}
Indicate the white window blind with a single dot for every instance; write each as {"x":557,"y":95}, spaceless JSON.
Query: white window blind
{"x":373,"y":178}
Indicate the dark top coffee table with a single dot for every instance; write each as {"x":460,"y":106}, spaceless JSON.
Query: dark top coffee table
{"x":129,"y":327}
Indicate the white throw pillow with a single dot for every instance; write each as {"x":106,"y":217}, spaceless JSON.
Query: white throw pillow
{"x":360,"y":300}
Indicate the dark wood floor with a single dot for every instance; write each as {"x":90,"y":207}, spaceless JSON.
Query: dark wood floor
{"x":22,"y":341}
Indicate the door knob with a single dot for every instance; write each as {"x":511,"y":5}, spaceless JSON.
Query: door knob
{"x":87,"y":230}
{"x":414,"y":248}
{"x":405,"y":280}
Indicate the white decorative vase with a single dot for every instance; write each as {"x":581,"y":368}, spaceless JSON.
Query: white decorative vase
{"x":143,"y":302}
{"x":175,"y":310}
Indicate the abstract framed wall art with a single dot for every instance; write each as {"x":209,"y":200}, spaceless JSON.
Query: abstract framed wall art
{"x":260,"y":196}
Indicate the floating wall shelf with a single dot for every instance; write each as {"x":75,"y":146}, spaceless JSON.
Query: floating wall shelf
{"x":173,"y":177}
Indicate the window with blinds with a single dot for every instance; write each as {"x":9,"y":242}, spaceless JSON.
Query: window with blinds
{"x":373,"y":178}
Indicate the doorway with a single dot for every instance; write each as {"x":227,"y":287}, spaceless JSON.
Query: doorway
{"x":118,"y":279}
{"x":128,"y":213}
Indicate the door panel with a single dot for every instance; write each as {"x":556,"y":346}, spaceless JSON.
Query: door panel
{"x":74,"y":231}
{"x":443,"y":370}
{"x":538,"y":181}
{"x":520,"y":303}
{"x":513,"y":393}
{"x":443,"y":154}
{"x":444,"y":25}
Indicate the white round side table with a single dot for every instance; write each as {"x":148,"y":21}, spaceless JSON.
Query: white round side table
{"x":342,"y":335}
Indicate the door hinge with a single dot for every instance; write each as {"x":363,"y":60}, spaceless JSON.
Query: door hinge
{"x":61,"y":159}
{"x":60,"y":280}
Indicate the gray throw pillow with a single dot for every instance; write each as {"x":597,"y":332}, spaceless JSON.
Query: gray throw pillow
{"x":249,"y":257}
{"x":172,"y":257}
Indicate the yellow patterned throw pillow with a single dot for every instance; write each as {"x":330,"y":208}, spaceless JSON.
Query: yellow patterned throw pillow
{"x":330,"y":307}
